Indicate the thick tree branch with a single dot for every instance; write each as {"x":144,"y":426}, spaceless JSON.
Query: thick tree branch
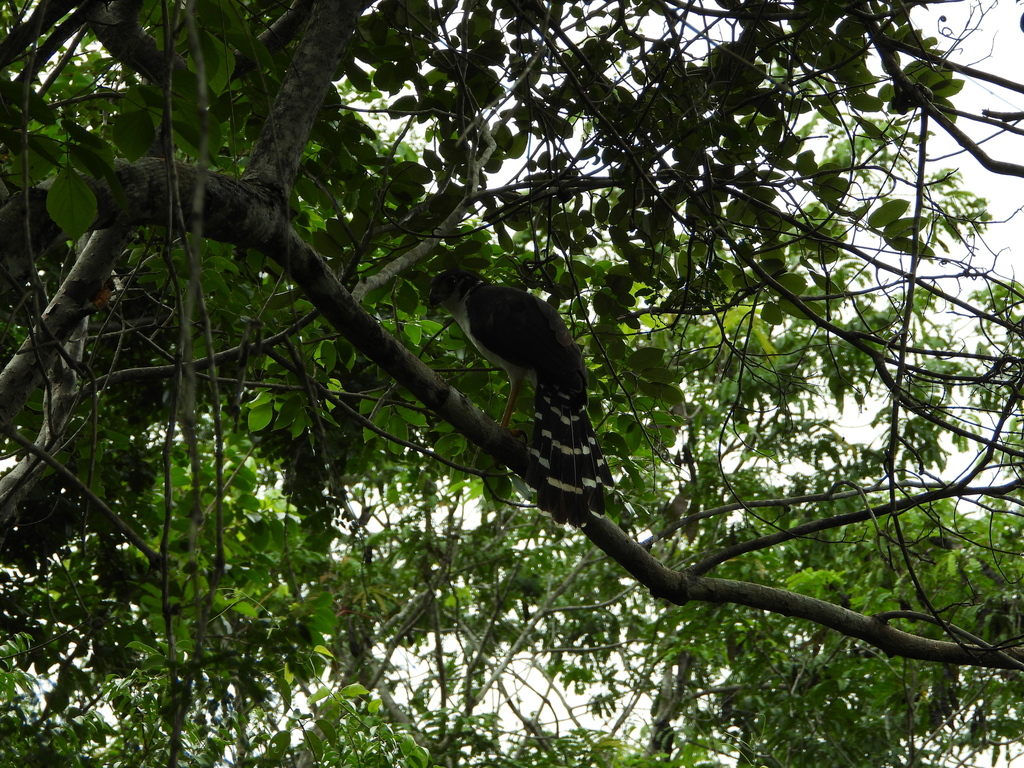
{"x":281,"y":32}
{"x":116,"y":26}
{"x":236,"y":215}
{"x":43,"y":17}
{"x":323,"y":288}
{"x":234,"y":212}
{"x":60,"y":399}
{"x":251,"y":213}
{"x":366,"y":334}
{"x":25,"y":371}
{"x":278,"y":150}
{"x":860,"y":516}
{"x":680,"y":587}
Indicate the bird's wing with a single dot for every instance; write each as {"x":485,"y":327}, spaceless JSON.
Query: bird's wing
{"x":528,"y":332}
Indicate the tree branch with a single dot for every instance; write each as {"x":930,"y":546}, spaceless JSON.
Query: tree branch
{"x":73,"y":480}
{"x":281,"y":32}
{"x":116,"y":26}
{"x":234,"y":212}
{"x":680,"y":587}
{"x":278,"y":150}
{"x":366,"y":334}
{"x":60,"y":399}
{"x":73,"y":302}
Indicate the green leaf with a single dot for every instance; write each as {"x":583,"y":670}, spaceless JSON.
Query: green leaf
{"x":355,"y":689}
{"x":806,"y":163}
{"x":866,"y":102}
{"x":358,"y":77}
{"x":278,"y":745}
{"x":415,"y":755}
{"x":327,"y":355}
{"x":406,"y":103}
{"x":328,"y":729}
{"x":666,"y":393}
{"x":793,"y":282}
{"x":80,"y":135}
{"x":321,"y":693}
{"x":245,"y":608}
{"x":46,"y":146}
{"x":134,"y":133}
{"x":659,"y":374}
{"x":71,"y":203}
{"x":289,"y":409}
{"x":888,"y":212}
{"x":260,"y":416}
{"x":323,"y":651}
{"x":647,"y":357}
{"x":771,"y":313}
{"x":13,"y":93}
{"x":791,"y":309}
{"x":96,"y":158}
{"x":315,"y":744}
{"x":215,"y":62}
{"x":91,"y":162}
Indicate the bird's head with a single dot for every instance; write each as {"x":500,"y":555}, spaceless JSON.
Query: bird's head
{"x":451,"y":286}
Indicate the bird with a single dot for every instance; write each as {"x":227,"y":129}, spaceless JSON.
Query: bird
{"x":528,"y":338}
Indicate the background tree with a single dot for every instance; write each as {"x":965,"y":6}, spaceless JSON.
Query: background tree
{"x":255,"y":510}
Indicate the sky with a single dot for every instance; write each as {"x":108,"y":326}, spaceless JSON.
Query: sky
{"x":988,"y":37}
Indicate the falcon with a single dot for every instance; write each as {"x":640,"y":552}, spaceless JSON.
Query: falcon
{"x":528,"y":338}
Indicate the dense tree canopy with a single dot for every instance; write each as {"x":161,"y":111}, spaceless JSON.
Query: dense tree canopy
{"x":254,"y":508}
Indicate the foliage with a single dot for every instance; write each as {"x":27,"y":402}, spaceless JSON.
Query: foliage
{"x":238,"y":528}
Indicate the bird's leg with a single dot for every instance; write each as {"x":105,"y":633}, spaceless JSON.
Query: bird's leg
{"x":507,"y":416}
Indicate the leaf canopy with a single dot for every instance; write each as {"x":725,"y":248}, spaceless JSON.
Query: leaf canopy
{"x":243,"y":522}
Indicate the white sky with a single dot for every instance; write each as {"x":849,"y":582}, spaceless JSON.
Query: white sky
{"x":995,"y":46}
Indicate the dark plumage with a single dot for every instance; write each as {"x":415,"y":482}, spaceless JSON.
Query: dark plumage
{"x":528,"y":338}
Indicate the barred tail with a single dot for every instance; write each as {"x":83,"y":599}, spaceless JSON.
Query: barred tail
{"x":567,"y":468}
